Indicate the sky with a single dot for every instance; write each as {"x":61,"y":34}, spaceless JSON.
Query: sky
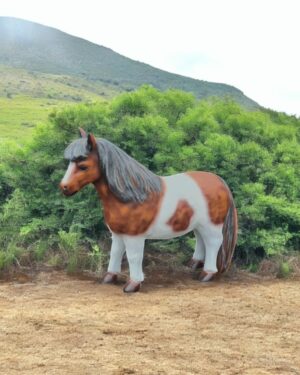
{"x":253,"y":45}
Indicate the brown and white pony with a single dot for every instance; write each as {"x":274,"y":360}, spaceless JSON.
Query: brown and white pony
{"x":140,"y":205}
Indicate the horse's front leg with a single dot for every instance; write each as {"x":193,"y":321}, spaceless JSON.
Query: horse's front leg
{"x":116,"y":254}
{"x":135,"y":252}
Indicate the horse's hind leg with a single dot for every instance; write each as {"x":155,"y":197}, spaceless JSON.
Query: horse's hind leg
{"x":197,"y":260}
{"x":116,"y":254}
{"x":135,"y":254}
{"x":212,"y":237}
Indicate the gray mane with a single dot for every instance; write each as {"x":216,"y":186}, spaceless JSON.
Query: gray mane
{"x":127,"y":179}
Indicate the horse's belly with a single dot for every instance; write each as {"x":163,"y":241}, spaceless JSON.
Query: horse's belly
{"x":183,"y":208}
{"x":164,"y":233}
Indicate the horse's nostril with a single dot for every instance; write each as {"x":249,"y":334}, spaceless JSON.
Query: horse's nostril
{"x":63,"y":187}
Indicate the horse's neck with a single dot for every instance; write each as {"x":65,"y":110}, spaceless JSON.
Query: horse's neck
{"x":127,"y":217}
{"x":103,"y":190}
{"x":109,"y":201}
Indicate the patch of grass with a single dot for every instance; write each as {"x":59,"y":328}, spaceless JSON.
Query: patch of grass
{"x":20,"y":115}
{"x":27,"y":98}
{"x":253,"y":267}
{"x":284,"y":270}
{"x":55,"y":260}
{"x":40,"y":250}
{"x":9,"y":256}
{"x":21,"y":82}
{"x":283,"y":266}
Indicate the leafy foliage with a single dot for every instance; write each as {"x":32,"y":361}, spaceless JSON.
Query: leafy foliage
{"x":256,"y":153}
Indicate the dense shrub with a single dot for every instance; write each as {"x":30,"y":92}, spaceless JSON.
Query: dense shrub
{"x":257,"y":153}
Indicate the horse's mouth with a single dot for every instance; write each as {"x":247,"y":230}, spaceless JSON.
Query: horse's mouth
{"x":69,"y":193}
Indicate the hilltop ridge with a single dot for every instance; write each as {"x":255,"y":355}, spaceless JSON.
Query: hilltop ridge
{"x":37,"y":48}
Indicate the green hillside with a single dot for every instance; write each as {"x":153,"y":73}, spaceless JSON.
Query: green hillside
{"x":20,"y":115}
{"x":17,"y":81}
{"x":27,"y":98}
{"x":36,"y":48}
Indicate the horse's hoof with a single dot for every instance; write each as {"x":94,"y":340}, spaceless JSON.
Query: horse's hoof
{"x":206,"y":276}
{"x":131,"y":287}
{"x":196,"y":264}
{"x":110,"y":278}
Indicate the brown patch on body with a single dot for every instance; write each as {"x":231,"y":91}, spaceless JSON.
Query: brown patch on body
{"x":216,"y":193}
{"x":128,"y":218}
{"x":180,"y":220}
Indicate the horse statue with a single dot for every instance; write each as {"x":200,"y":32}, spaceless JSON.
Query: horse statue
{"x":140,"y":205}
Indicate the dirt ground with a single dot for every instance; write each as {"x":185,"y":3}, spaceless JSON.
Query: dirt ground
{"x":56,"y":324}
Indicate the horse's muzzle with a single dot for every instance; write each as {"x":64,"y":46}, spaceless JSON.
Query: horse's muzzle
{"x":65,"y":190}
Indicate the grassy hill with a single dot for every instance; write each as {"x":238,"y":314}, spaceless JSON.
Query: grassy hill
{"x":42,"y":68}
{"x":16,"y":81}
{"x":27,"y":98}
{"x":39,"y":48}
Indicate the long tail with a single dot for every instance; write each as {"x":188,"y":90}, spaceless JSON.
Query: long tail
{"x":230,"y":229}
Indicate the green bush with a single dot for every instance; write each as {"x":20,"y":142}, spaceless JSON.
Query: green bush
{"x":256,"y":153}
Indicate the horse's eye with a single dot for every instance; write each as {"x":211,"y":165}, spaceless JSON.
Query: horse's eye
{"x":83,"y":167}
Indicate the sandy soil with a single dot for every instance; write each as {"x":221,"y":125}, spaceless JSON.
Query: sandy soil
{"x":56,"y":324}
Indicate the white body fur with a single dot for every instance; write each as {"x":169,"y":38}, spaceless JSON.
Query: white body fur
{"x":209,"y":236}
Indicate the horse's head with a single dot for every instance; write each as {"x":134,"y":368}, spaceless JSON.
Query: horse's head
{"x":84,"y":167}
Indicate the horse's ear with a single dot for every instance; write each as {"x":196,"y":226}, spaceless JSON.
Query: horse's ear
{"x":82,"y":133}
{"x":91,"y":142}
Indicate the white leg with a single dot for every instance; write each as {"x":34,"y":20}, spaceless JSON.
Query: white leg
{"x":116,"y":254}
{"x":199,"y":253}
{"x":135,"y":254}
{"x":213,"y":239}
